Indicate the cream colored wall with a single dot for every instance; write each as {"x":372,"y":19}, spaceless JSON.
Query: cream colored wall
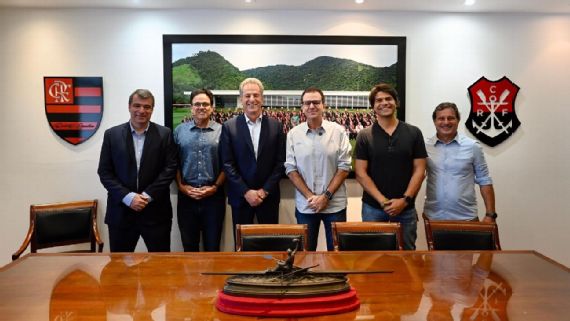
{"x":445,"y":54}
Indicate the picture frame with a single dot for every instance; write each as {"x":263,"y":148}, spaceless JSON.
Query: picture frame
{"x":195,"y":61}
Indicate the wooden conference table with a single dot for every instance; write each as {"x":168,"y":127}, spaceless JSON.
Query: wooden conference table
{"x":507,"y":285}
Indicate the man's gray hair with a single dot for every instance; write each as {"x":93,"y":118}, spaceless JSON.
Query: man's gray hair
{"x":250,"y":81}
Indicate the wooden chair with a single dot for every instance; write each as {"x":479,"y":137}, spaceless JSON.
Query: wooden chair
{"x":62,"y":224}
{"x":270,"y":237}
{"x":367,"y":236}
{"x":461,"y":235}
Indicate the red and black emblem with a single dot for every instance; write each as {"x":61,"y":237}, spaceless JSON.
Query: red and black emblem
{"x":492,"y":118}
{"x":74,"y":106}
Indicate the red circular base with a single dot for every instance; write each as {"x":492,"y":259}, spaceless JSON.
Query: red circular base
{"x":288,"y":307}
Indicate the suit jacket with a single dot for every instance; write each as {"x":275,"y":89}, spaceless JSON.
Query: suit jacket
{"x":118,"y":173}
{"x":243,"y":171}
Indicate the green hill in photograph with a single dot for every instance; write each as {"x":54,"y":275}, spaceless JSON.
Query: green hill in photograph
{"x":208,"y":69}
{"x":184,"y":77}
{"x":327,"y":73}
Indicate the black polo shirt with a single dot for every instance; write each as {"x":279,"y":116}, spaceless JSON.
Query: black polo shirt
{"x":390,"y":158}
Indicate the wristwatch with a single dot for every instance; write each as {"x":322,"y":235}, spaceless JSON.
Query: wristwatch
{"x":408,"y":199}
{"x":492,"y":215}
{"x":329,"y":195}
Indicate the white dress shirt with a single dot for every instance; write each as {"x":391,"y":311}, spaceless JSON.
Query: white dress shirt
{"x":254,"y":131}
{"x":317,"y":155}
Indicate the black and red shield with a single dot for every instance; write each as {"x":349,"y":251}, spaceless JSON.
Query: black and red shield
{"x":492,"y":118}
{"x":74,"y":106}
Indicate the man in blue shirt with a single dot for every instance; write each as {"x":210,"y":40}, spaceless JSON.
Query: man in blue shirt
{"x":200,"y":179}
{"x":455,"y":164}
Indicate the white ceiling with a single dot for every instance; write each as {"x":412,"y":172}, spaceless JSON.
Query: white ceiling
{"x":498,"y":6}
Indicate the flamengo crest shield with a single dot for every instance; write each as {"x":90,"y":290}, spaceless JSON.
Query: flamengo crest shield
{"x":492,"y":118}
{"x":74,"y":106}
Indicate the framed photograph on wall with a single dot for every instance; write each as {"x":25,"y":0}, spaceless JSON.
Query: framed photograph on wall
{"x":344,"y":67}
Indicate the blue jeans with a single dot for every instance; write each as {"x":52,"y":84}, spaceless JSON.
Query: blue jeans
{"x":408,"y":220}
{"x":313,"y":221}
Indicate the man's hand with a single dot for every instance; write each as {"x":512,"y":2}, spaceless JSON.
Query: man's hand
{"x":208,"y":191}
{"x":191,"y":192}
{"x":199,"y":193}
{"x":395,"y":206}
{"x":318,"y":202}
{"x":253,"y":197}
{"x":139,"y":202}
{"x":262,"y":193}
{"x":488,"y":219}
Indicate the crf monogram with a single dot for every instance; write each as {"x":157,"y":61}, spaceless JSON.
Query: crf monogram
{"x":60,"y":91}
{"x":492,"y":118}
{"x":497,"y":127}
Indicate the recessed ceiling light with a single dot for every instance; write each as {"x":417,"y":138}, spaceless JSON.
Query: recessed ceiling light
{"x":469,"y":2}
{"x":249,"y":1}
{"x":359,"y":1}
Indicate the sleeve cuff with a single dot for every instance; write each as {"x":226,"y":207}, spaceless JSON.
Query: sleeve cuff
{"x":128,"y":199}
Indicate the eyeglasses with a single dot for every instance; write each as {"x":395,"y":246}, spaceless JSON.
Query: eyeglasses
{"x":314,"y":102}
{"x":203,"y":104}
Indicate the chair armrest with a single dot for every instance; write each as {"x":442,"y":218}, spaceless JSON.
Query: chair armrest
{"x":97,"y":237}
{"x":25,"y":244}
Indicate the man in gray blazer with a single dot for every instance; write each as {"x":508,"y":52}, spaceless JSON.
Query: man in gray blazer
{"x":136,"y":166}
{"x":253,"y":152}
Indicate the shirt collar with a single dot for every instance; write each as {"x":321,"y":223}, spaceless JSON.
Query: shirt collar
{"x":321,"y":129}
{"x":378,"y":127}
{"x":249,"y":121}
{"x":193,"y":125}
{"x":457,"y":139}
{"x":134,"y":131}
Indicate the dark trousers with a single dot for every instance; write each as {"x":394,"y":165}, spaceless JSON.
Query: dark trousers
{"x":267,"y":213}
{"x":156,"y":237}
{"x":205,"y":216}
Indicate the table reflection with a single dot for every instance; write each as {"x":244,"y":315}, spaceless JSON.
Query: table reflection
{"x":377,"y":300}
{"x":125,"y":283}
{"x":128,"y":287}
{"x":66,"y":305}
{"x":422,"y":286}
{"x":463,"y":287}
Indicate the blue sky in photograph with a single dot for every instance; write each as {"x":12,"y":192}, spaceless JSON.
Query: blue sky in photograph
{"x":247,"y":56}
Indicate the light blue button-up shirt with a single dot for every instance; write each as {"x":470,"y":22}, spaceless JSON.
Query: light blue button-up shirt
{"x":453,"y":169}
{"x":138,"y":144}
{"x":198,"y":152}
{"x":317,"y":155}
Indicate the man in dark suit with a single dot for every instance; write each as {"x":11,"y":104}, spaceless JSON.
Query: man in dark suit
{"x":253,"y":152}
{"x":136,"y":166}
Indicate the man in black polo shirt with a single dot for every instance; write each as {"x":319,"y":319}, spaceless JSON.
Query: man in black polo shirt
{"x":390,"y":165}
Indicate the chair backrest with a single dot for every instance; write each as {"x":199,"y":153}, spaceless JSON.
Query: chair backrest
{"x":62,"y":224}
{"x":461,"y":235}
{"x":270,"y":237}
{"x":367,"y":236}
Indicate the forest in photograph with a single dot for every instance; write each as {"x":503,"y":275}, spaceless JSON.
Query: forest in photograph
{"x":208,"y":69}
